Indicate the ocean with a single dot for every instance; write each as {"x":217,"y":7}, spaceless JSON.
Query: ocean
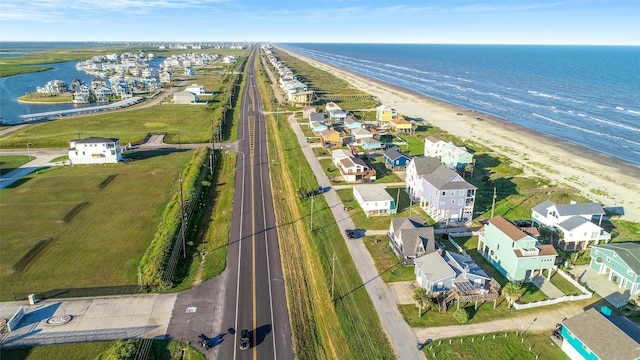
{"x":587,"y":95}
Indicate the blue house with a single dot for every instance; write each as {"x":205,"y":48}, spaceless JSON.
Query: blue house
{"x":318,"y":126}
{"x":370,"y":144}
{"x":395,"y":160}
{"x":592,"y":335}
{"x":352,"y":123}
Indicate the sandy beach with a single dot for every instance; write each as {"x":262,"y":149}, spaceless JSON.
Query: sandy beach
{"x":566,"y":164}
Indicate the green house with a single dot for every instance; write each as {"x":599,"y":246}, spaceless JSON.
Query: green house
{"x":620,"y":261}
{"x":515,"y":251}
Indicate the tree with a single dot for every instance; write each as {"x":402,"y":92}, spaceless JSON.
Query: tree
{"x":511,"y":292}
{"x":422,"y":297}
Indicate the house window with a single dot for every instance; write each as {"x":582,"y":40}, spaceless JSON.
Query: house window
{"x":461,"y":192}
{"x":460,"y":202}
{"x":498,"y":247}
{"x":452,"y":193}
{"x":629,"y":272}
{"x":444,"y":193}
{"x":608,"y":259}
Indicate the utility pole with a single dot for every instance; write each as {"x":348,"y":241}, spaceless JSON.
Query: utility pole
{"x":179,"y":146}
{"x":184,"y":249}
{"x":299,"y":177}
{"x":493,"y":203}
{"x":333,"y":275}
{"x":312,"y":199}
{"x":398,"y":201}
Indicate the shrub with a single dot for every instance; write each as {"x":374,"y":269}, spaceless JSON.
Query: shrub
{"x":461,"y":316}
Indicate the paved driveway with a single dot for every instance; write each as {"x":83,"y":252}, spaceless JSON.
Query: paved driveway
{"x":609,"y":290}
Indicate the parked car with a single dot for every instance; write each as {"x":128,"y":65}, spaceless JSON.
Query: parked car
{"x":245,"y":341}
{"x":204,"y":341}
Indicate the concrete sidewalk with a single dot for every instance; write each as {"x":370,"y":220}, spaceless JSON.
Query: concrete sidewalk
{"x":402,"y":338}
{"x":105,"y":318}
{"x":40,"y":158}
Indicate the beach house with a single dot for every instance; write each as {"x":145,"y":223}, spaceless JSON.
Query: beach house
{"x":185,"y":97}
{"x":433,"y":146}
{"x":596,"y":335}
{"x":455,"y":157}
{"x":401,"y":125}
{"x":196,"y":89}
{"x":439,"y":273}
{"x":410,"y":238}
{"x":441,"y":192}
{"x":620,"y":262}
{"x":329,"y":138}
{"x":514,"y":251}
{"x":374,"y":200}
{"x":384,"y":114}
{"x":574,"y":223}
{"x":94,"y":150}
{"x":395,"y":160}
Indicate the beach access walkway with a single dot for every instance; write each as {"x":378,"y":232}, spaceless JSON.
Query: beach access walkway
{"x":403,"y":339}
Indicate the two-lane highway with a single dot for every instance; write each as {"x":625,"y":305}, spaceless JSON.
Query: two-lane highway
{"x":258,"y":303}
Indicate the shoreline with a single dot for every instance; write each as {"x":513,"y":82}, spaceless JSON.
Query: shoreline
{"x":562,"y":162}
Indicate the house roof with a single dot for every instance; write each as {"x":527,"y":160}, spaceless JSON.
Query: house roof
{"x":400,"y":121}
{"x":373,"y":192}
{"x":573,"y":223}
{"x":580,"y":209}
{"x":357,"y":160}
{"x":361,"y":132}
{"x":394,"y":153}
{"x":412,"y":237}
{"x":383,"y":107}
{"x":547,"y":250}
{"x":464,"y":264}
{"x":629,"y":252}
{"x":406,"y":223}
{"x":316,"y":117}
{"x":309,"y":108}
{"x":507,"y":228}
{"x":351,"y":120}
{"x":328,"y":133}
{"x":95,"y":140}
{"x":370,"y":141}
{"x":542,"y":208}
{"x":426,"y":165}
{"x":433,"y":139}
{"x":340,"y":154}
{"x":434,"y":267}
{"x":570,"y":209}
{"x":444,"y":178}
{"x":602,"y":336}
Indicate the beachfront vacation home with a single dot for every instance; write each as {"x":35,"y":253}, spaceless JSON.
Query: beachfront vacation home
{"x":574,"y":223}
{"x":410,"y":238}
{"x":514,"y":251}
{"x":620,"y":262}
{"x":443,"y":194}
{"x":374,"y":200}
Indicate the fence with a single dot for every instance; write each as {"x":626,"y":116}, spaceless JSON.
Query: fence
{"x":190,"y":205}
{"x":82,"y":292}
{"x":68,"y":337}
{"x":586,"y":294}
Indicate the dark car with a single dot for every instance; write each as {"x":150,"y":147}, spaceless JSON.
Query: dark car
{"x":245,"y":341}
{"x":351,"y":234}
{"x":204,"y":341}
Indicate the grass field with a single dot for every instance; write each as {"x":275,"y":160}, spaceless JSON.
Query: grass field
{"x":12,"y":162}
{"x":496,"y":347}
{"x":100,"y":218}
{"x":349,"y":327}
{"x":160,"y":350}
{"x":389,"y":266}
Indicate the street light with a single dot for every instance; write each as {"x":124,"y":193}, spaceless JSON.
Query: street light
{"x":28,"y":150}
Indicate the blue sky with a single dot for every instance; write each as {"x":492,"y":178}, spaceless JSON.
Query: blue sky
{"x":609,"y":22}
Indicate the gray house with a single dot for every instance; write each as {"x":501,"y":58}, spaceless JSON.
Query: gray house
{"x":440,"y":191}
{"x":410,"y":238}
{"x":438,"y":273}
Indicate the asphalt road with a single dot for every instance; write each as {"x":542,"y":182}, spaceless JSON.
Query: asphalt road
{"x":255,"y":294}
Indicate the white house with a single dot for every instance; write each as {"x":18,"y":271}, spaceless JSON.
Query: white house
{"x":196,"y":89}
{"x":433,"y":146}
{"x":361,"y":133}
{"x":94,"y":150}
{"x":185,"y":97}
{"x":338,"y":155}
{"x":374,"y":200}
{"x":573,"y":221}
{"x":356,"y":169}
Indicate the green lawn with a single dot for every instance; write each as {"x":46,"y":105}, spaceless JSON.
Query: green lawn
{"x":389,"y":266}
{"x":380,"y":222}
{"x":100,"y":214}
{"x":562,"y":284}
{"x":12,"y":162}
{"x":383,"y":175}
{"x":496,"y":347}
